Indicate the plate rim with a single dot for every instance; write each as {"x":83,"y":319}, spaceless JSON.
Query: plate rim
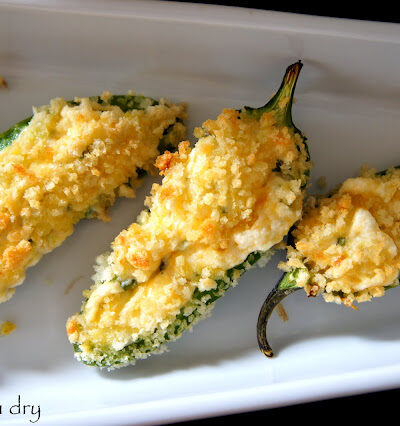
{"x":172,"y":11}
{"x":252,"y":398}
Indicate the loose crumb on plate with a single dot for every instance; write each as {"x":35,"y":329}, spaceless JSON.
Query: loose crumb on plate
{"x":7,"y":327}
{"x":3,"y":83}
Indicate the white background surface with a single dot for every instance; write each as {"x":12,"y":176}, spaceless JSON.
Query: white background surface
{"x":212,"y":57}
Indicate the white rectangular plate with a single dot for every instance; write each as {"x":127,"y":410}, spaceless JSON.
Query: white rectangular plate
{"x":212,"y":57}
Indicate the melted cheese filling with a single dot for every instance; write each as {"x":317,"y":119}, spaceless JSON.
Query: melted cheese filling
{"x":351,"y":242}
{"x":69,"y":159}
{"x":218,"y":202}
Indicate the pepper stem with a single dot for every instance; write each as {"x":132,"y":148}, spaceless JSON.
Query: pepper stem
{"x":281,"y":102}
{"x":285,"y":286}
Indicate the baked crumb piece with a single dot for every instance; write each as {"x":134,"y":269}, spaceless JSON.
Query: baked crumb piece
{"x":3,"y":83}
{"x":7,"y":327}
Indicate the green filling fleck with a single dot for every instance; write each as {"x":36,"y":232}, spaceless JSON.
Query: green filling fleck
{"x":289,"y":280}
{"x":339,"y":293}
{"x":128,"y":284}
{"x":341,"y":241}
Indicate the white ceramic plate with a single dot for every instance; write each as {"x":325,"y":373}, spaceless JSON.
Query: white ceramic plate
{"x":212,"y":57}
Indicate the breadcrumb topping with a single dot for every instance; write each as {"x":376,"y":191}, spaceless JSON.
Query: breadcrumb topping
{"x":70,"y":162}
{"x":218,"y":202}
{"x":7,"y":327}
{"x":350,"y":242}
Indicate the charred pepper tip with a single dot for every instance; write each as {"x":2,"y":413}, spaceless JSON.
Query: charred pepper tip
{"x":272,"y":300}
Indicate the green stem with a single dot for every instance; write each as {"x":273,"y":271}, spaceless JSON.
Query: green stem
{"x":281,"y":103}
